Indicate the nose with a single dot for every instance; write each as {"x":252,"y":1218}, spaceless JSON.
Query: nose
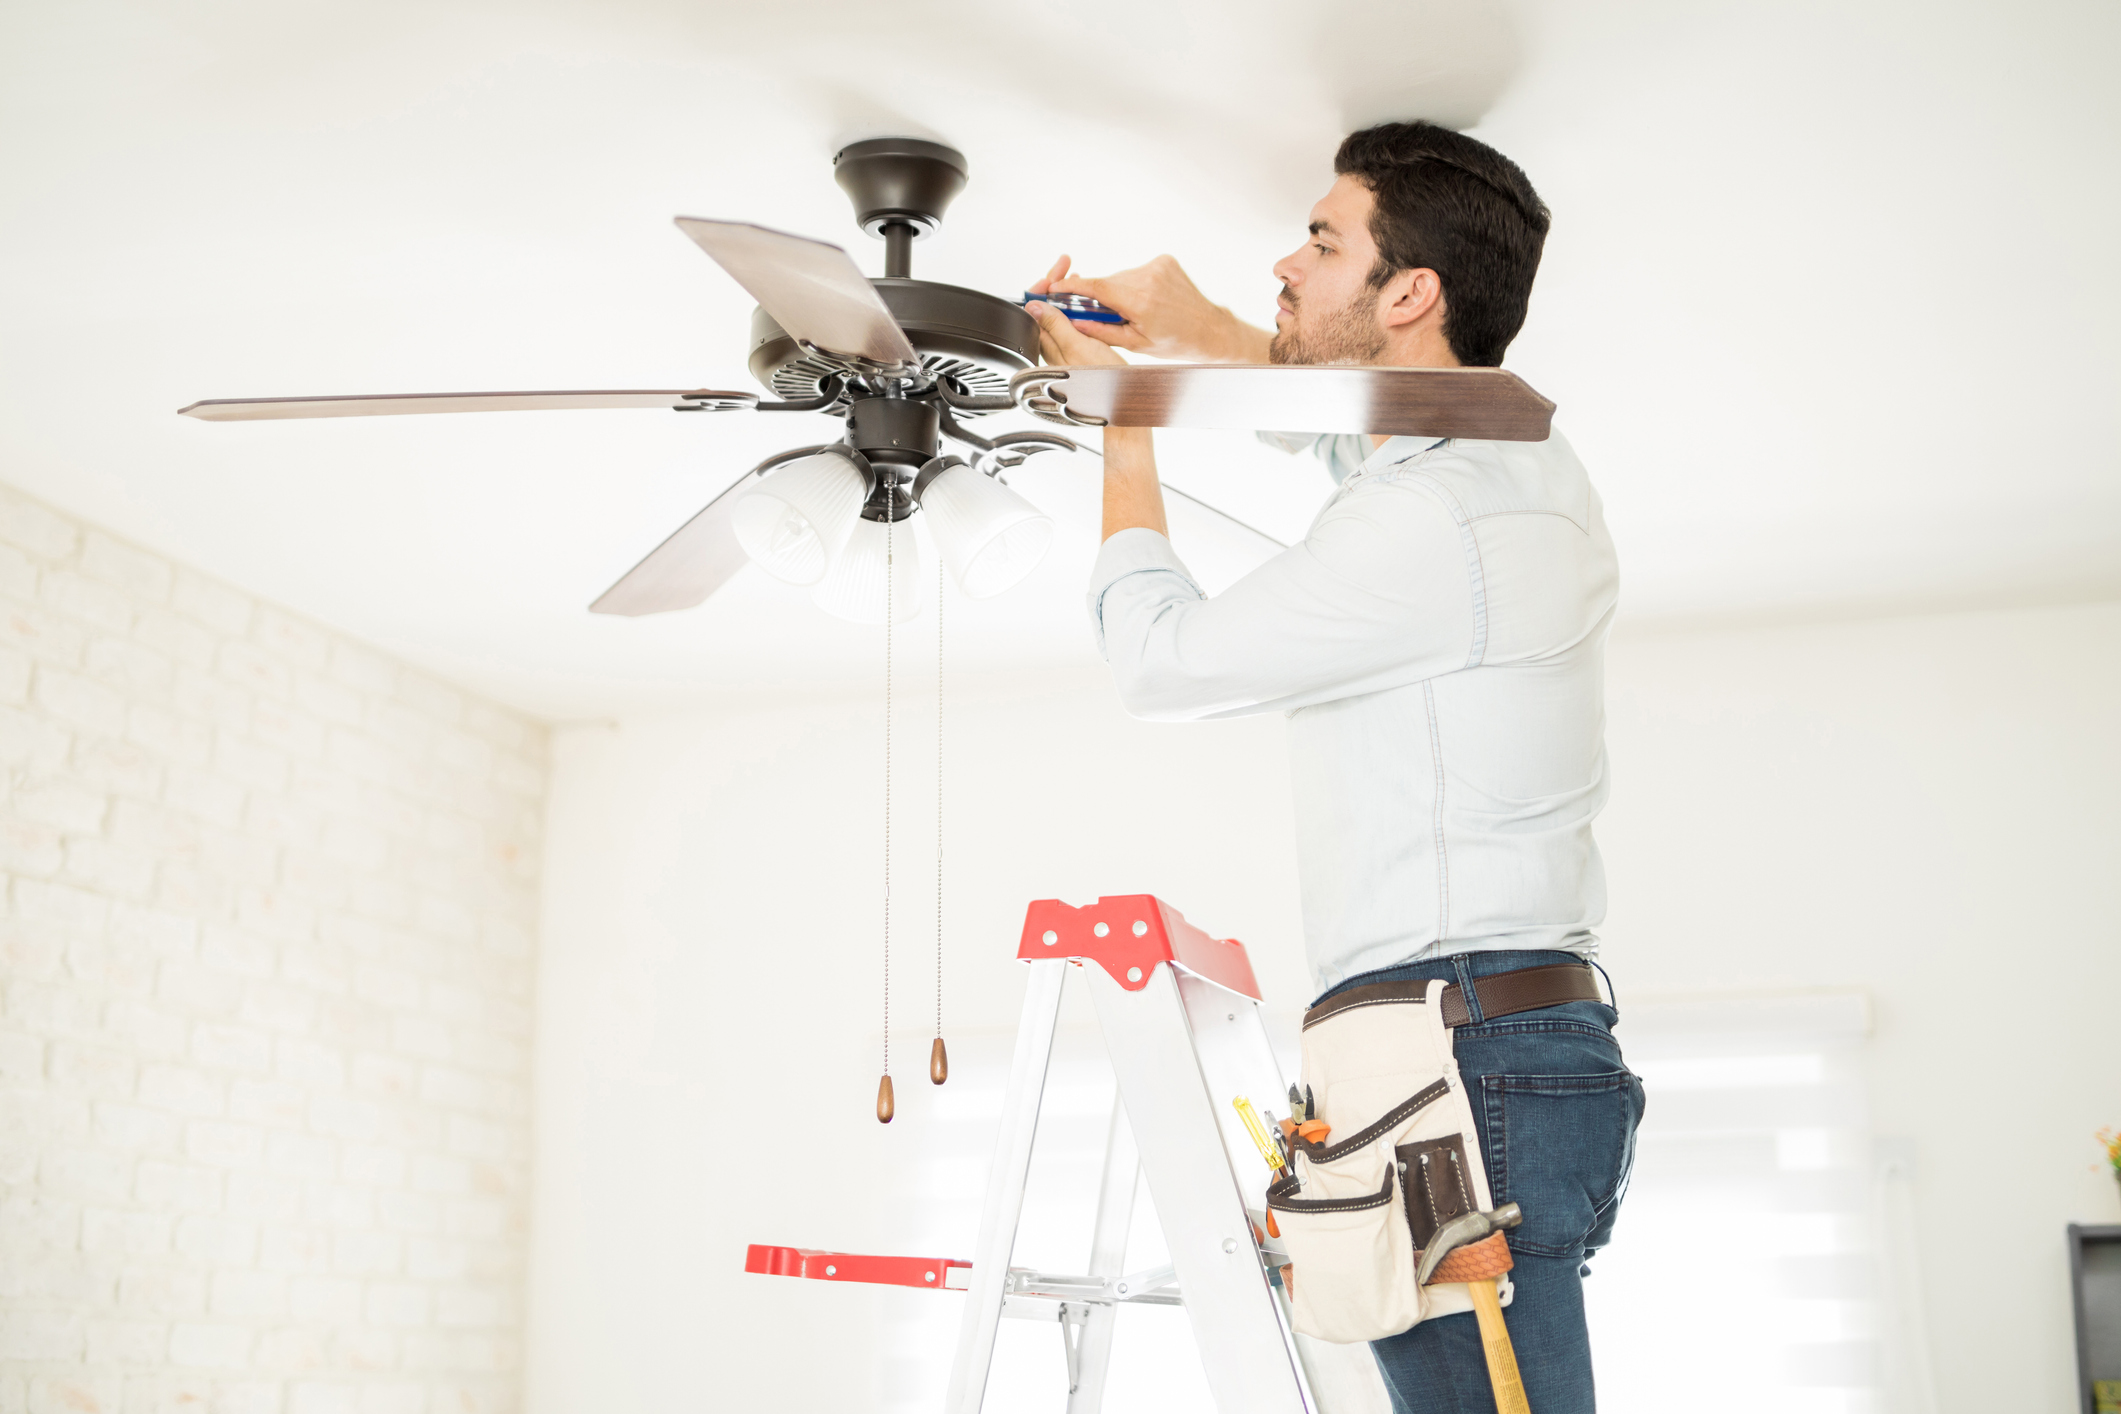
{"x":1288,"y":271}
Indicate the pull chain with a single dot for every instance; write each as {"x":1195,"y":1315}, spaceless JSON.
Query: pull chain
{"x":885,"y":1104}
{"x":938,"y":1057}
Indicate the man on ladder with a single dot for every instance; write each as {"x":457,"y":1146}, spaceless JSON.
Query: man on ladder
{"x":1436,"y":642}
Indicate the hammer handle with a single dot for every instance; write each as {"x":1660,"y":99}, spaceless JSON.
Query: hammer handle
{"x":1495,"y":1343}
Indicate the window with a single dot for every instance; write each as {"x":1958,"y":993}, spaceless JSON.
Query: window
{"x":1746,"y":1267}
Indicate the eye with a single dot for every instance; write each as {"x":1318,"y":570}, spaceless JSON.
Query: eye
{"x":1322,"y":250}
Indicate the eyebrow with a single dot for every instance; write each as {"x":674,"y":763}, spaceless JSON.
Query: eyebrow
{"x":1323,"y":228}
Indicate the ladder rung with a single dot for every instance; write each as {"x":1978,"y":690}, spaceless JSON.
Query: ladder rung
{"x":1154,"y":1288}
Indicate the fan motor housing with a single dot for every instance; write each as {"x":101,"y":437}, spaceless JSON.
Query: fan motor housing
{"x":974,"y":340}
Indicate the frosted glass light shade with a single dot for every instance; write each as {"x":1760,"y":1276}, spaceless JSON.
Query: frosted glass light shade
{"x":800,"y":515}
{"x":989,"y":536}
{"x":853,"y":587}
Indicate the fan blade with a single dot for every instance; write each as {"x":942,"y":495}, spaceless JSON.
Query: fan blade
{"x":1220,"y":514}
{"x":699,"y":557}
{"x":1041,"y":441}
{"x":1482,"y":403}
{"x":811,"y":289}
{"x":393,"y":404}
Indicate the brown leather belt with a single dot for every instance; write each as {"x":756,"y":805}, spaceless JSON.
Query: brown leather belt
{"x":1500,"y":993}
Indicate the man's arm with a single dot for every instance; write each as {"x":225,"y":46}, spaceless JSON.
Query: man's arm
{"x":1167,"y":315}
{"x":1378,"y":595}
{"x":1133,"y":496}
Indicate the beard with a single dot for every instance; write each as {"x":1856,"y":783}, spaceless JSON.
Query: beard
{"x":1347,"y":335}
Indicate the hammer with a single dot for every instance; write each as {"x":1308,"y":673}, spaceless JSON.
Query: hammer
{"x":1478,"y":1254}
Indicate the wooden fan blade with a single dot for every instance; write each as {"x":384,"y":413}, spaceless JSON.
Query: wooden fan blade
{"x":812,"y":289}
{"x":699,"y":557}
{"x":1483,"y":403}
{"x":395,"y":404}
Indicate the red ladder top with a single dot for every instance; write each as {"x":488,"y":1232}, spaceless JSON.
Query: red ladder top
{"x":1128,"y":935}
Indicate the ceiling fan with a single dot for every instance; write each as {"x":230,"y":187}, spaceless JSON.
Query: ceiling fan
{"x":906,"y":363}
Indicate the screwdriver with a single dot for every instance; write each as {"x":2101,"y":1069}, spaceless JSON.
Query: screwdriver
{"x":1077,"y":307}
{"x":1268,"y":1149}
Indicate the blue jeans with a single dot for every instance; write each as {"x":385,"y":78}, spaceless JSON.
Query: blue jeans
{"x":1556,"y":1109}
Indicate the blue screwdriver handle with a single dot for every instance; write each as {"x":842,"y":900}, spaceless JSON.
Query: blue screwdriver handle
{"x":1077,"y":307}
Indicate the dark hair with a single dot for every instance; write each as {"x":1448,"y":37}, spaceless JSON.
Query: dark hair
{"x":1452,"y":204}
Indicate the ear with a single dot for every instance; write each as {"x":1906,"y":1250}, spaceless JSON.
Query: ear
{"x":1408,"y":297}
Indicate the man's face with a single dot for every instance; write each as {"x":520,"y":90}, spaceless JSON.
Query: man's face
{"x":1329,"y":313}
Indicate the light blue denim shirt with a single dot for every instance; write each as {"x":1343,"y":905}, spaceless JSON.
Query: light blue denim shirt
{"x":1437,"y":641}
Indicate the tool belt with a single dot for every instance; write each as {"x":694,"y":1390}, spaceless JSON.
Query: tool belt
{"x":1402,"y":1156}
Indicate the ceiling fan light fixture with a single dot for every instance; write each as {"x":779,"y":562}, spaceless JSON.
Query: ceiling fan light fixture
{"x":989,"y":536}
{"x":794,"y":522}
{"x":853,"y":587}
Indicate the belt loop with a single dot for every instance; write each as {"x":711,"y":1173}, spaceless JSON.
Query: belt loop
{"x":1612,"y":997}
{"x":1466,"y":990}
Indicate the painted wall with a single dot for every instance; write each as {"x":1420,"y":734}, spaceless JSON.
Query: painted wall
{"x":1918,"y":807}
{"x":1921,"y":807}
{"x":265,"y":960}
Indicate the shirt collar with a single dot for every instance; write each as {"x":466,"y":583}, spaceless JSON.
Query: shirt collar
{"x":1399,"y":449}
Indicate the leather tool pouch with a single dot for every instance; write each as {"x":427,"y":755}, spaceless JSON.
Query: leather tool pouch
{"x":1402,"y":1159}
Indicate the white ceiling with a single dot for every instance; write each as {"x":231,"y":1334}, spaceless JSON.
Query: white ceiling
{"x":1830,"y":305}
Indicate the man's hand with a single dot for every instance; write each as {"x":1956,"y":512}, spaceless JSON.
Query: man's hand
{"x":1167,"y":315}
{"x":1061,"y":340}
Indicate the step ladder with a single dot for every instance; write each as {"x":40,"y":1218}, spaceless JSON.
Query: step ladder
{"x":1180,"y":1014}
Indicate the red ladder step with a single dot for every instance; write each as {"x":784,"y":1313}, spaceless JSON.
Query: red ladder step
{"x":930,"y":1273}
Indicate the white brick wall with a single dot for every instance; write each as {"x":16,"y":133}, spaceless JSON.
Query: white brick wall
{"x":265,"y":978}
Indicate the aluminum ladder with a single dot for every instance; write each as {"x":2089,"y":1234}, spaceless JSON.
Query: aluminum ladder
{"x":1180,"y":1015}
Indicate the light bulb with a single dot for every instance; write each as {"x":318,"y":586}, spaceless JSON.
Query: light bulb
{"x":989,"y":536}
{"x":853,"y":588}
{"x":800,"y":515}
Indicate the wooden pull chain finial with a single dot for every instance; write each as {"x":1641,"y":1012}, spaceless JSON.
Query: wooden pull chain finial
{"x":886,"y":1105}
{"x":938,"y":1062}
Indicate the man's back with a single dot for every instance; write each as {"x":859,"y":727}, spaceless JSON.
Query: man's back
{"x":1452,"y":812}
{"x":1438,"y":642}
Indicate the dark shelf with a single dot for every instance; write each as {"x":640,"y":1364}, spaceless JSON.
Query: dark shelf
{"x":2095,"y":1289}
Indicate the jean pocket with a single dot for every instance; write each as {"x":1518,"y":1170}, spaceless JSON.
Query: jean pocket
{"x":1560,"y":1147}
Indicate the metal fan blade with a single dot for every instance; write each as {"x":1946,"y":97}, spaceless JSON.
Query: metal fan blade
{"x":394,"y":404}
{"x":699,"y":557}
{"x":810,"y":288}
{"x":1483,"y":403}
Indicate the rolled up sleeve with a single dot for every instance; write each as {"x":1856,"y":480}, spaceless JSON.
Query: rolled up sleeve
{"x":1380,"y":593}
